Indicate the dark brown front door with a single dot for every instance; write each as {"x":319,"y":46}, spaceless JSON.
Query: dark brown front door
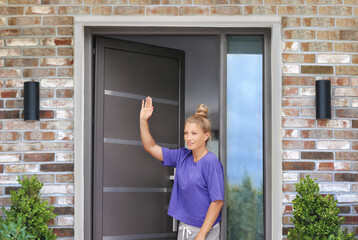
{"x":131,"y":188}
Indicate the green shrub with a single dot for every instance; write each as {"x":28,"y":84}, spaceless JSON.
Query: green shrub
{"x":315,"y":217}
{"x":27,"y":205}
{"x":11,"y":230}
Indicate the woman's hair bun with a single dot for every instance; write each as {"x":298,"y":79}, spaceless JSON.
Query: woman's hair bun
{"x":202,"y":110}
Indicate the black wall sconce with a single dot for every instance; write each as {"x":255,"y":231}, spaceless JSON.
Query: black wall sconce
{"x":323,"y":99}
{"x":31,"y":101}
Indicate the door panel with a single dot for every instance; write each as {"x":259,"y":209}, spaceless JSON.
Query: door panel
{"x":131,"y":188}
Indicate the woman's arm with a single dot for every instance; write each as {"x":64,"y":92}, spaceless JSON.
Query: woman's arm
{"x":148,"y":142}
{"x":211,"y":216}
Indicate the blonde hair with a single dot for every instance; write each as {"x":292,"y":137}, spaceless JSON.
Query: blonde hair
{"x":200,"y":117}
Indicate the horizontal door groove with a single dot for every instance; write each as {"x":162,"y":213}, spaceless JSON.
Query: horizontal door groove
{"x":140,"y":236}
{"x":139,"y":97}
{"x":135,"y":189}
{"x":133,"y":142}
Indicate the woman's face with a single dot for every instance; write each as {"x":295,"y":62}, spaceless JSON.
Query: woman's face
{"x":194,"y":136}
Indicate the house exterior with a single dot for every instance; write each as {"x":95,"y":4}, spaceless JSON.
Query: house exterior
{"x":317,"y":39}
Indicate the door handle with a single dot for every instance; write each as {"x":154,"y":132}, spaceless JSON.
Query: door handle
{"x":175,"y":225}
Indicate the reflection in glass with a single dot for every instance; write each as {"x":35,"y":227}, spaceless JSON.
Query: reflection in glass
{"x":245,"y":211}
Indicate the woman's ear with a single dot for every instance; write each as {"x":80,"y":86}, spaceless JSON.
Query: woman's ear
{"x":207,"y":135}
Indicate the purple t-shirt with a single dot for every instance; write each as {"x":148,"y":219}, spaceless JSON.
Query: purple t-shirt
{"x":196,"y":185}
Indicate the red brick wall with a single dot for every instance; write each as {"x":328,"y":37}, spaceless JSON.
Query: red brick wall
{"x":320,"y":40}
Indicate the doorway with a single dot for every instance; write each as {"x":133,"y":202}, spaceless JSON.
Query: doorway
{"x":221,"y":111}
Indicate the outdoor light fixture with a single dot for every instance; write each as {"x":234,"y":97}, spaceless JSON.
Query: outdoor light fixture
{"x":31,"y":101}
{"x":323,"y":99}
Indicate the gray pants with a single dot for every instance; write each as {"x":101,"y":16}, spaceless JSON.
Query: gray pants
{"x":188,"y":232}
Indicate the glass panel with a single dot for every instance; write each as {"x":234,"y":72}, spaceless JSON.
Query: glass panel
{"x":245,"y":206}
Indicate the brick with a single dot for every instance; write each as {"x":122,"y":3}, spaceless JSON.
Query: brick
{"x":346,"y":177}
{"x":39,"y":72}
{"x":9,"y":32}
{"x":354,"y":123}
{"x":316,"y":47}
{"x":347,"y":70}
{"x":290,"y":69}
{"x":20,"y":168}
{"x":226,"y":10}
{"x":2,"y":21}
{"x":335,"y":10}
{"x":22,"y":42}
{"x":298,"y":80}
{"x":20,"y":146}
{"x":56,"y":62}
{"x":64,"y":114}
{"x":355,"y":58}
{"x":101,"y":10}
{"x":354,"y":102}
{"x":165,"y":11}
{"x":64,"y":157}
{"x":62,"y":135}
{"x":65,"y":72}
{"x":298,"y":166}
{"x":8,"y":158}
{"x":288,"y":209}
{"x":64,"y":178}
{"x":298,"y":58}
{"x":65,"y":51}
{"x":38,"y":32}
{"x":39,"y":157}
{"x":65,"y":221}
{"x":64,"y":93}
{"x":103,"y":2}
{"x":24,"y":20}
{"x":11,"y":10}
{"x":9,"y":114}
{"x":346,"y":47}
{"x":290,"y":177}
{"x":298,"y":102}
{"x":346,"y":134}
{"x":65,"y":200}
{"x":323,"y":123}
{"x":9,"y":136}
{"x":307,"y":91}
{"x":298,"y":123}
{"x":63,"y":232}
{"x":297,"y":10}
{"x":8,"y":93}
{"x":347,"y":22}
{"x":350,"y":156}
{"x":324,"y":2}
{"x":351,"y":2}
{"x":57,"y":146}
{"x":61,"y":167}
{"x":59,"y":189}
{"x":321,"y":177}
{"x":2,"y":42}
{"x":289,"y":91}
{"x":333,"y":58}
{"x":300,"y":34}
{"x":176,"y":2}
{"x":9,"y":179}
{"x":290,"y":155}
{"x":21,"y":62}
{"x":291,"y":22}
{"x":74,"y":10}
{"x":347,"y":113}
{"x":342,"y":166}
{"x":20,"y":125}
{"x":325,"y":166}
{"x":209,"y":2}
{"x":287,"y":198}
{"x":334,"y":187}
{"x":57,"y":41}
{"x":291,"y":144}
{"x":290,"y":112}
{"x":57,"y":125}
{"x":318,"y":22}
{"x":184,"y":11}
{"x":308,"y":112}
{"x":260,"y":10}
{"x":39,"y":52}
{"x":43,"y":136}
{"x":55,"y":83}
{"x":144,"y":2}
{"x":355,"y":145}
{"x":283,"y":2}
{"x":129,"y":10}
{"x":333,"y":145}
{"x":10,"y":52}
{"x":312,"y":69}
{"x":290,"y":46}
{"x":5,"y":201}
{"x":290,"y":133}
{"x":320,"y":134}
{"x":40,"y":10}
{"x":57,"y":20}
{"x":65,"y":31}
{"x":56,"y":103}
{"x":288,"y":187}
{"x":24,"y":2}
{"x":61,"y":2}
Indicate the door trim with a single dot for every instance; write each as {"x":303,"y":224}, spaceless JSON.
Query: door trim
{"x":86,"y":27}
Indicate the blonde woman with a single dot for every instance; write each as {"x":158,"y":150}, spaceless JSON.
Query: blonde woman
{"x":198,"y":190}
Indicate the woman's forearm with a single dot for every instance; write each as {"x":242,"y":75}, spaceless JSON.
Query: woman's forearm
{"x":211,"y":216}
{"x":148,"y":141}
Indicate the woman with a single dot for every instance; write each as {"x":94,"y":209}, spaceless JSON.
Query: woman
{"x":198,"y":191}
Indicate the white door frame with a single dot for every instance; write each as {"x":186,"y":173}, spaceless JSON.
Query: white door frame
{"x":81,"y":123}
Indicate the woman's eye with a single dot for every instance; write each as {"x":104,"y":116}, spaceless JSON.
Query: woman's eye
{"x":185,"y":133}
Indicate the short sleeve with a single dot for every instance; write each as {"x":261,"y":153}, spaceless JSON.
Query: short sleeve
{"x":215,"y":181}
{"x":171,"y":156}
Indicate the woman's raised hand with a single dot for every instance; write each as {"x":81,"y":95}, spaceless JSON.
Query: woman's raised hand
{"x":147,"y":109}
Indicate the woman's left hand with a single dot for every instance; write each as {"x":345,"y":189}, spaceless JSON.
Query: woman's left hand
{"x":199,"y":237}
